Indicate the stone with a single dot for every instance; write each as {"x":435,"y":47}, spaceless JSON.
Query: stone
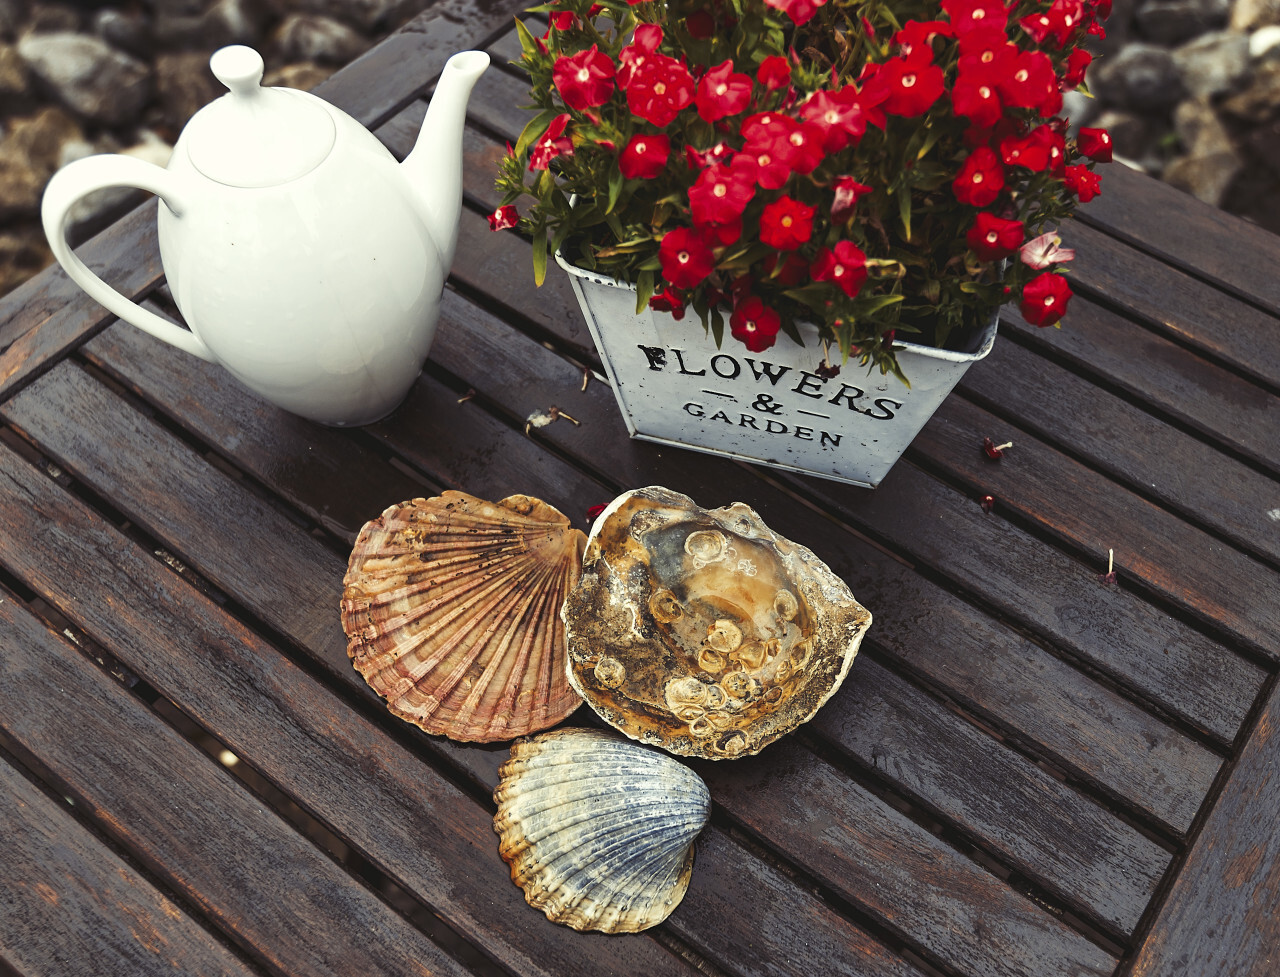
{"x":1213,"y":64}
{"x":1260,"y":101}
{"x":1264,"y":43}
{"x":96,"y":210}
{"x":184,"y":85}
{"x":50,"y":18}
{"x":1264,"y":144}
{"x":13,"y":14}
{"x":130,"y":33}
{"x":1206,"y":178}
{"x":1249,"y":14}
{"x":92,"y":79}
{"x":1079,"y":107}
{"x":29,"y":153}
{"x":1135,"y":137}
{"x":23,"y":252}
{"x":1201,"y":131}
{"x":364,"y":15}
{"x":225,"y":22}
{"x":313,"y":37}
{"x":1172,"y":22}
{"x":303,"y":76}
{"x":15,"y":84}
{"x":1141,"y":76}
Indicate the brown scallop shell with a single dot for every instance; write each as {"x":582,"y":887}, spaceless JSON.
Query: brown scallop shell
{"x":451,"y":606}
{"x":703,"y":631}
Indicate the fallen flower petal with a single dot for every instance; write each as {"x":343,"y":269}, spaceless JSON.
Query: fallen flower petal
{"x":987,"y":503}
{"x":1109,"y":577}
{"x":995,"y":451}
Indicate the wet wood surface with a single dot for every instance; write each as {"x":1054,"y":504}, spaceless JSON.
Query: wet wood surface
{"x":1029,"y":771}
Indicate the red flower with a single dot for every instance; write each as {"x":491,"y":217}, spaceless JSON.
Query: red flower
{"x":970,"y":15}
{"x":686,"y":258}
{"x":1035,"y":151}
{"x":668,"y":300}
{"x":1078,"y":62}
{"x":721,"y":193}
{"x":976,"y":97}
{"x":774,"y":72}
{"x":644,"y":42}
{"x":800,"y":11}
{"x":1030,"y":83}
{"x":915,"y":83}
{"x":699,"y":158}
{"x":552,"y":144}
{"x":1044,"y":299}
{"x":503,"y":218}
{"x":564,"y":21}
{"x":917,"y":36}
{"x":993,"y":238}
{"x":722,"y":93}
{"x":659,"y":89}
{"x":644,"y":157}
{"x":846,"y":265}
{"x":1083,"y":182}
{"x":584,"y":80}
{"x":1095,"y":143}
{"x":838,"y":114}
{"x":847,"y":190}
{"x":981,"y":178}
{"x":786,"y":224}
{"x":754,"y":325}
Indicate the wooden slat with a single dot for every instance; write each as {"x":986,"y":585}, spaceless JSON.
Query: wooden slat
{"x":1204,"y":240}
{"x":197,"y":533}
{"x":201,"y":513}
{"x":155,"y":793}
{"x":1111,"y":434}
{"x":183,"y":503}
{"x":66,"y":900}
{"x":1225,"y":408}
{"x":1187,"y":308}
{"x":382,"y":800}
{"x":1209,"y":579}
{"x":1220,"y":915}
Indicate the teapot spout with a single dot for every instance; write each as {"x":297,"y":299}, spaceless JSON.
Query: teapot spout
{"x":434,"y":168}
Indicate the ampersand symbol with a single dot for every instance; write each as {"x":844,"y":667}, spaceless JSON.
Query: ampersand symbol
{"x":766,"y":405}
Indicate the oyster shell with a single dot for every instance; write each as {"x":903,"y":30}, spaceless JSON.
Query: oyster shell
{"x":451,"y":606}
{"x":703,"y":631}
{"x":598,"y":831}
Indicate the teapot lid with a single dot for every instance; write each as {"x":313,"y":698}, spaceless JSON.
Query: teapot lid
{"x":255,"y":136}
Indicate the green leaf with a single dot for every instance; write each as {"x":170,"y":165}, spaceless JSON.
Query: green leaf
{"x":644,"y":290}
{"x":616,"y":180}
{"x":904,"y":211}
{"x":533,"y":129}
{"x":873,"y":304}
{"x":540,"y":256}
{"x":527,"y":43}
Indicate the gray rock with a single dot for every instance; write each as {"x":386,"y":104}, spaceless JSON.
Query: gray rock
{"x":29,"y":154}
{"x":1079,"y":108}
{"x":13,"y":13}
{"x":16,"y":95}
{"x":50,"y":18}
{"x":127,"y":32}
{"x":1134,"y":137}
{"x":1213,"y":64}
{"x":23,"y":252}
{"x":225,"y":22}
{"x":1247,"y":15}
{"x":177,"y":8}
{"x":1201,"y":131}
{"x":1264,"y":43}
{"x":1260,"y":101}
{"x":185,"y":85}
{"x":95,"y":210}
{"x":1206,"y":178}
{"x":89,"y":77}
{"x":1171,"y":22}
{"x":304,"y":76}
{"x":1141,"y":77}
{"x":1264,"y":143}
{"x":364,"y":15}
{"x":312,"y":37}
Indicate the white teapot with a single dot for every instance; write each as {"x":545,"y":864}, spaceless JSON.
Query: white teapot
{"x":304,"y":258}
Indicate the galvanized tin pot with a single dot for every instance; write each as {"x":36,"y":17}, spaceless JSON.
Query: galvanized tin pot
{"x":674,"y":387}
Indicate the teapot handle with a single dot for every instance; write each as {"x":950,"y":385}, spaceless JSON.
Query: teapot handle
{"x":84,"y":176}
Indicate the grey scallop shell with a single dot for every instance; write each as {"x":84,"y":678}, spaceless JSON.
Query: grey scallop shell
{"x":598,"y":830}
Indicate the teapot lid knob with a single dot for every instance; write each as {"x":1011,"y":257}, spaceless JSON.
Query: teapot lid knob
{"x":239,"y":68}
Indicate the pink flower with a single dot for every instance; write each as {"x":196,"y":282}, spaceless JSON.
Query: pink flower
{"x":786,"y":224}
{"x":722,"y":93}
{"x":1043,"y":251}
{"x":993,"y":238}
{"x":644,"y":157}
{"x":686,"y":258}
{"x":503,"y":218}
{"x":981,"y":178}
{"x":721,"y":193}
{"x":846,"y":265}
{"x":631,"y":58}
{"x":659,"y":89}
{"x":754,"y":325}
{"x":552,"y":143}
{"x":1044,"y":299}
{"x":585,"y":79}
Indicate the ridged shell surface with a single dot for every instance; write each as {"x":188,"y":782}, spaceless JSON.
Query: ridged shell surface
{"x":703,"y":631}
{"x":451,"y":607}
{"x":598,"y":830}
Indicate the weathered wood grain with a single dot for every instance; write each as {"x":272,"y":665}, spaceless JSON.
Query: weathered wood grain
{"x":1154,"y":217}
{"x":75,"y":412}
{"x":1225,"y":588}
{"x":1120,"y":439}
{"x":1220,"y":915}
{"x":1174,"y":302}
{"x":70,"y":906}
{"x":186,"y":820}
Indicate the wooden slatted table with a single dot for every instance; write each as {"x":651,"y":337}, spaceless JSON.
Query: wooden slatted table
{"x":1028,"y":772}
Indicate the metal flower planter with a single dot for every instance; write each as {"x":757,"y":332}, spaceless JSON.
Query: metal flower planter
{"x":674,"y":387}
